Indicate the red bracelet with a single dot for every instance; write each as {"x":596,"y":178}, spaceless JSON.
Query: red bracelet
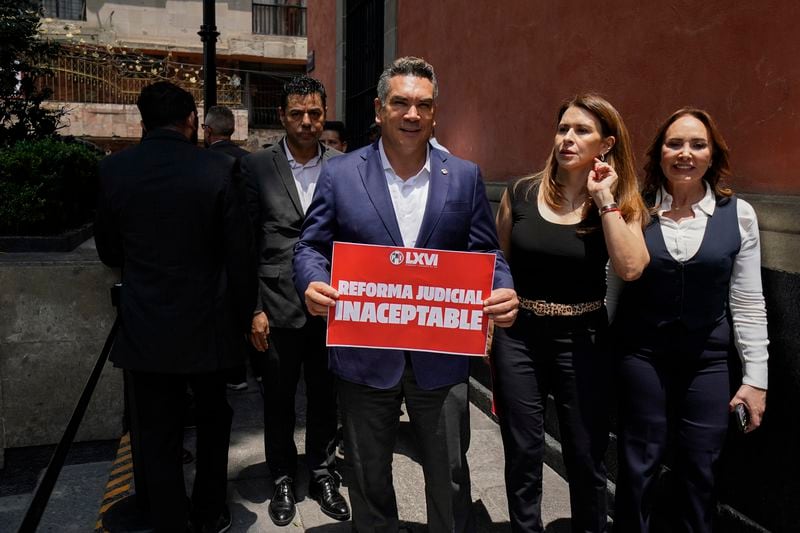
{"x":610,"y":210}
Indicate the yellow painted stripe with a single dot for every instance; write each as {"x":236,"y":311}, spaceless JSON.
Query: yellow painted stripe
{"x":106,"y":507}
{"x":118,"y":490}
{"x":121,"y":470}
{"x":121,"y":479}
{"x":121,"y":459}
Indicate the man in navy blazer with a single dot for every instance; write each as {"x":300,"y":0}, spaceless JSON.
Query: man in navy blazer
{"x":402,"y":192}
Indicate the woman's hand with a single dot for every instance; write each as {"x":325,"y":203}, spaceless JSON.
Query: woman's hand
{"x":755,"y":400}
{"x":600,"y":181}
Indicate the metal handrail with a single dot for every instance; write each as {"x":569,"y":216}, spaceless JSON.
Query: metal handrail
{"x":44,"y":489}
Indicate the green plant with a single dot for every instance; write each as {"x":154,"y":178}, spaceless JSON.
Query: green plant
{"x":46,"y":186}
{"x":24,"y":57}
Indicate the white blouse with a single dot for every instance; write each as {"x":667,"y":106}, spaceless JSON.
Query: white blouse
{"x":747,"y":306}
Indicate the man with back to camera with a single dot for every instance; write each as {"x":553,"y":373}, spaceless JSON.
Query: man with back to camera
{"x":334,"y":135}
{"x":172,"y":215}
{"x":281,"y":180}
{"x":401,"y":192}
{"x":218,"y":128}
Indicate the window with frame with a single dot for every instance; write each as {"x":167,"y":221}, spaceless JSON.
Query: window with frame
{"x":64,"y":9}
{"x":279,"y":17}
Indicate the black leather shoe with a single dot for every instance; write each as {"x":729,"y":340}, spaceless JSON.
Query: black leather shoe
{"x":333,"y":504}
{"x":282,"y":508}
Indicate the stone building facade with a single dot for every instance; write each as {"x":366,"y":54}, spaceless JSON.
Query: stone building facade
{"x":261,"y":43}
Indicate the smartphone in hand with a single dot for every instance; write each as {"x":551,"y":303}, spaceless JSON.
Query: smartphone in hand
{"x":742,"y":417}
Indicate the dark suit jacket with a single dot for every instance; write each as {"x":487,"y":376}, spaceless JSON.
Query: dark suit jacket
{"x":352,"y":204}
{"x":172,"y":216}
{"x":277,"y":216}
{"x":230,"y":148}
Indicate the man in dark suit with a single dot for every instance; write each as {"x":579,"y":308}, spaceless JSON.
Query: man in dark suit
{"x":401,"y":192}
{"x":173,"y":217}
{"x":218,"y":128}
{"x":281,"y":180}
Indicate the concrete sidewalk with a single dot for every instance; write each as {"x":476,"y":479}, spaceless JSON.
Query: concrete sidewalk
{"x":250,"y":488}
{"x":79,"y":492}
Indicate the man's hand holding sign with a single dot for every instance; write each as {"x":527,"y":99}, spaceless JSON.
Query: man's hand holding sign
{"x":413,"y":302}
{"x":413,"y":201}
{"x":414,"y":299}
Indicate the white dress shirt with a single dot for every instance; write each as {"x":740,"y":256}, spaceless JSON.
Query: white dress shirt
{"x":683,"y":240}
{"x":409,"y":197}
{"x":305,"y":176}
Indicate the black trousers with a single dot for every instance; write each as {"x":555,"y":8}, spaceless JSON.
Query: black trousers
{"x":156,"y":413}
{"x":289,"y":351}
{"x":680,"y":388}
{"x":533,"y":358}
{"x":440,"y":421}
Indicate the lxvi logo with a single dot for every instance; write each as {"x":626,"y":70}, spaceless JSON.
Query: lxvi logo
{"x":422,"y":259}
{"x":412,"y":258}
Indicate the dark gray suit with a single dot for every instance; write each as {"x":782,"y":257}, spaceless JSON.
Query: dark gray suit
{"x":296,"y":339}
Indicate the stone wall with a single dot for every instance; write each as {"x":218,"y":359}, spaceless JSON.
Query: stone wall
{"x":55,"y":315}
{"x":122,"y":121}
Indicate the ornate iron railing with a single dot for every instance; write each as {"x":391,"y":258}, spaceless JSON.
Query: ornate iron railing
{"x":94,"y":75}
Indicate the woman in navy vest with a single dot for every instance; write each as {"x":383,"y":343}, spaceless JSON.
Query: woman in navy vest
{"x":700,"y":295}
{"x":558,"y":230}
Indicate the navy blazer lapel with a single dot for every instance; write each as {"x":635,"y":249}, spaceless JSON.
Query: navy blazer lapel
{"x":437,"y":194}
{"x":284,"y":171}
{"x":374,"y":179}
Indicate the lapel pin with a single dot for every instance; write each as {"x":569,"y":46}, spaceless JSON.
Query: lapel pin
{"x":444,"y":171}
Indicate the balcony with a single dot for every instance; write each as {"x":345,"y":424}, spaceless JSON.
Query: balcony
{"x":64,"y":9}
{"x":279,"y":17}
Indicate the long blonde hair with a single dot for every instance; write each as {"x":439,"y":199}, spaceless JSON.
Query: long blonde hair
{"x":620,"y":157}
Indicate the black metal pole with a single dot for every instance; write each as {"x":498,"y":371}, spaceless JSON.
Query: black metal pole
{"x":208,"y":34}
{"x":42,"y":495}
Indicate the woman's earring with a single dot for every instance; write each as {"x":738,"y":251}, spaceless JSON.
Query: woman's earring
{"x":603,"y":157}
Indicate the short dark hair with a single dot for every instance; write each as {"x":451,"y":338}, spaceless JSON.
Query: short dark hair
{"x":406,"y":66}
{"x":338,"y":127}
{"x":164,"y":104}
{"x":220,"y":118}
{"x":302,"y":86}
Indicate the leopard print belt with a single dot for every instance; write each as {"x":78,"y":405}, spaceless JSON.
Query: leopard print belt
{"x":542,"y":308}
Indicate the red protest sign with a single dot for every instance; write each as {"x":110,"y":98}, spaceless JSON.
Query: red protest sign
{"x":409,"y":298}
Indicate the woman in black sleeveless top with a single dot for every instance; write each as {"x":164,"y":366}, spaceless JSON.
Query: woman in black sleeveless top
{"x":674,"y":325}
{"x":558,"y":230}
